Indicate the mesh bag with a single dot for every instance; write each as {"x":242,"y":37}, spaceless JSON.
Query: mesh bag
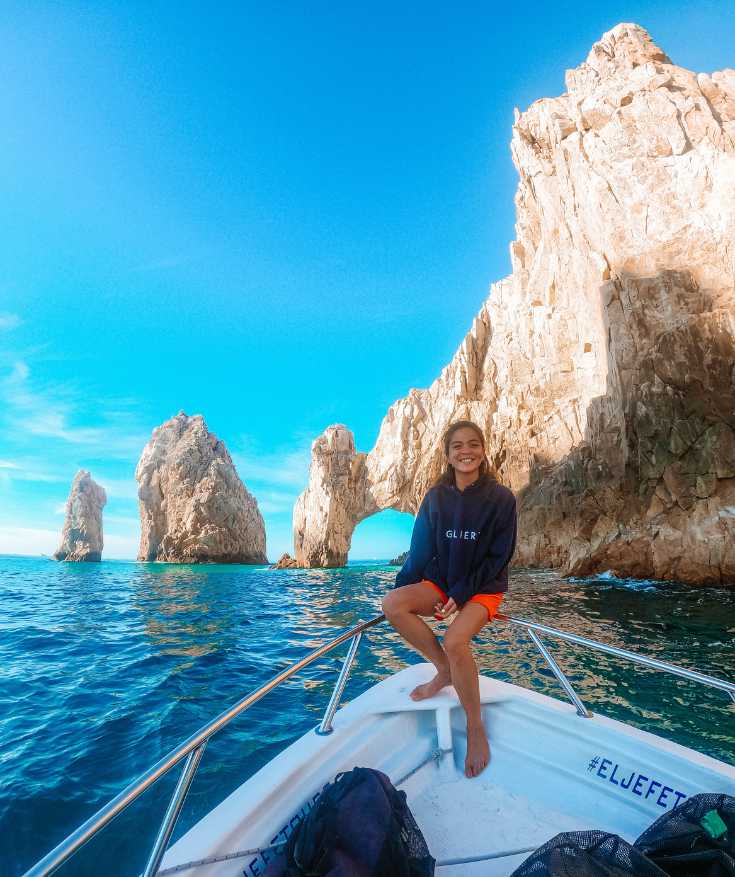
{"x":360,"y":826}
{"x":695,"y":839}
{"x":587,"y":854}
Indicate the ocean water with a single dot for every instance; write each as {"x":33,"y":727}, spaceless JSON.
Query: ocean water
{"x":105,"y":667}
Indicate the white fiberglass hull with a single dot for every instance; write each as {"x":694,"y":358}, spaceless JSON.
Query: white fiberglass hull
{"x":550,"y":771}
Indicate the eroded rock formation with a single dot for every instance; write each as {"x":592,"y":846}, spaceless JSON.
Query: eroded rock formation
{"x":81,"y":538}
{"x":602,"y":368}
{"x":193,"y":506}
{"x":285,"y":561}
{"x":336,"y":499}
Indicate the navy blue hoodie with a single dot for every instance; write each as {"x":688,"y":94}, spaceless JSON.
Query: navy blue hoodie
{"x":463,"y":540}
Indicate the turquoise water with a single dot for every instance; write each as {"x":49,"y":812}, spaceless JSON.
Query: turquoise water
{"x":105,"y":667}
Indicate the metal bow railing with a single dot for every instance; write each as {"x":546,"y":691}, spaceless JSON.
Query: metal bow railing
{"x":193,"y":748}
{"x":534,"y":629}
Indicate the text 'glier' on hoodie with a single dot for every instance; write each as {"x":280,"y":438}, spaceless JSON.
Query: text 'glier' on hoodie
{"x":463,"y":540}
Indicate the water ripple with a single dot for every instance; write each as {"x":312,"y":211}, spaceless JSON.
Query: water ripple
{"x":105,"y":667}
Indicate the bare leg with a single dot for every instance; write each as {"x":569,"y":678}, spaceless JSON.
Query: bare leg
{"x":402,"y":608}
{"x":471,"y":619}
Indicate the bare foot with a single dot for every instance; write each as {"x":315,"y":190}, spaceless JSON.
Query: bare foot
{"x":429,"y":689}
{"x":478,"y":751}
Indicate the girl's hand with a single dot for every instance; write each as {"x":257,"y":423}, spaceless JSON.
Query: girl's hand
{"x":442,"y":611}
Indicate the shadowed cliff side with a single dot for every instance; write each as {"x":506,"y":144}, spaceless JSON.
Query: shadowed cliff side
{"x":655,"y":499}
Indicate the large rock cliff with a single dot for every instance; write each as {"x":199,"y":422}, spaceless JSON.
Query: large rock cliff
{"x":602,"y":369}
{"x":81,"y":538}
{"x":193,"y":506}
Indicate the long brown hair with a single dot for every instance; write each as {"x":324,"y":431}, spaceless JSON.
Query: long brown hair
{"x":486,"y":470}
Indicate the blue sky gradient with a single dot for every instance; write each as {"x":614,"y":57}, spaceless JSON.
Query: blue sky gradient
{"x":280,"y":216}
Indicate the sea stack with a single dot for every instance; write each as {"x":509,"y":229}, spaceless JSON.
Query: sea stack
{"x":601,"y":369}
{"x":81,"y":538}
{"x":193,"y":506}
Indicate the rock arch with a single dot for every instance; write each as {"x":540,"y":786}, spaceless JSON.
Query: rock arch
{"x":601,"y":369}
{"x":346,"y":486}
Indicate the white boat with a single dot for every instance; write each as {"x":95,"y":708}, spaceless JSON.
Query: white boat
{"x":555,"y":767}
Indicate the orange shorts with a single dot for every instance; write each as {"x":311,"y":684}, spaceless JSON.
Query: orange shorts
{"x":491,"y":602}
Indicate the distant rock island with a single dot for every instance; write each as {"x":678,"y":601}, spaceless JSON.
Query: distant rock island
{"x":193,"y":506}
{"x":400,"y":560}
{"x":81,"y":537}
{"x":601,"y":369}
{"x":285,"y":561}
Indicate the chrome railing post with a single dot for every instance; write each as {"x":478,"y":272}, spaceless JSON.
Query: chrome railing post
{"x":325,"y":726}
{"x":173,"y":810}
{"x":559,"y":673}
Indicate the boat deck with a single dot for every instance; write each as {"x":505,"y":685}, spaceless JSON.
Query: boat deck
{"x":464,"y":819}
{"x":550,"y":771}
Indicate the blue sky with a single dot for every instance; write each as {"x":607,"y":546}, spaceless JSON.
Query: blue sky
{"x":280,"y":216}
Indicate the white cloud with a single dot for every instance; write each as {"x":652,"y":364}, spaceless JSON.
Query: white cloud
{"x":27,"y":540}
{"x":121,"y":547}
{"x":283,"y":468}
{"x":52,"y":411}
{"x":120,"y":488}
{"x":49,"y":430}
{"x":29,"y":469}
{"x":54,"y":424}
{"x":276,"y":477}
{"x":9,"y":321}
{"x":125,"y":522}
{"x":274,"y":502}
{"x":19,"y":372}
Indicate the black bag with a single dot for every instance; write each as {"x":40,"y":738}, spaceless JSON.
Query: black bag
{"x":360,"y":826}
{"x":587,"y":854}
{"x":695,"y":839}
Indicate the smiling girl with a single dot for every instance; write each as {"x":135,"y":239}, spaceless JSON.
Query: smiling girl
{"x":462,"y":543}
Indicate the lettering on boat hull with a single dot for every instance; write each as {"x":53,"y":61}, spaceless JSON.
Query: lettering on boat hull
{"x":257,"y":865}
{"x":636,"y":782}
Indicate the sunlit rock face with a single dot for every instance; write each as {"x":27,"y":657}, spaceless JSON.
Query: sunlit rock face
{"x":602,"y":368}
{"x":81,"y":538}
{"x":193,"y":506}
{"x":328,"y":510}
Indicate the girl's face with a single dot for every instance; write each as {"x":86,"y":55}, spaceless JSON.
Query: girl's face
{"x":465,"y":451}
